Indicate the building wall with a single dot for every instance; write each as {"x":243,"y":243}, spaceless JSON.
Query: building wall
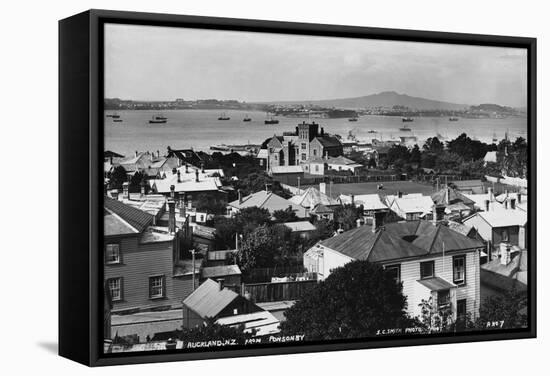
{"x":183,"y":287}
{"x":190,"y":318}
{"x":482,"y":227}
{"x":410,"y":274}
{"x":138,"y":263}
{"x":316,"y":149}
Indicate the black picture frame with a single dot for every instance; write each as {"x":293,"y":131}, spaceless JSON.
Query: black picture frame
{"x":81,"y":190}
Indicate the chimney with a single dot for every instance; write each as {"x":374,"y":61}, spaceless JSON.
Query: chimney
{"x":221,"y":283}
{"x":142,"y":189}
{"x":240,"y":195}
{"x":322,"y":131}
{"x":196,"y":175}
{"x":353,"y":199}
{"x":172,"y":191}
{"x":136,"y":154}
{"x":171,"y":216}
{"x":519,"y":198}
{"x":158,"y":154}
{"x":434,"y":215}
{"x":504,"y":253}
{"x":358,"y":222}
{"x":399,"y":194}
{"x":186,"y":168}
{"x":505,"y":204}
{"x":174,"y":171}
{"x":202,"y":167}
{"x":512,"y":203}
{"x":487,"y":205}
{"x":182,"y":209}
{"x":447,"y":191}
{"x":323,"y":187}
{"x":125,"y":190}
{"x":490,"y":194}
{"x":111,"y":159}
{"x":326,"y":155}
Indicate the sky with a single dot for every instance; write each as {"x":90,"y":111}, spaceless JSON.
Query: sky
{"x":164,"y":63}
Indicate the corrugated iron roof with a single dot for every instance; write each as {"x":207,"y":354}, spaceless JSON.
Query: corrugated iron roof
{"x":300,"y":226}
{"x":209,"y":300}
{"x":138,"y":219}
{"x":220,"y":271}
{"x":311,"y":197}
{"x":440,"y":197}
{"x":436,"y":284}
{"x":399,"y":240}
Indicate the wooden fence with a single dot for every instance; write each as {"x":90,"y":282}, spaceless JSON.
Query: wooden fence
{"x":277,"y":291}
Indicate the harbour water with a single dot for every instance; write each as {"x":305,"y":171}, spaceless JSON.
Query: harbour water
{"x":199,"y":129}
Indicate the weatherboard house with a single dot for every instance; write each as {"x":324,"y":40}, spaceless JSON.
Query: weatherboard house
{"x":428,"y":258}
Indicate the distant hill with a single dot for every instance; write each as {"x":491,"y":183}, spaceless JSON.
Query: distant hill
{"x":384,"y":99}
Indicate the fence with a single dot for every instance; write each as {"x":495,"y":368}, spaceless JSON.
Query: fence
{"x":277,"y":291}
{"x":259,"y":275}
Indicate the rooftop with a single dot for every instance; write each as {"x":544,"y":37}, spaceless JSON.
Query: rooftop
{"x":399,"y":240}
{"x":448,"y":196}
{"x":220,"y":271}
{"x":312,"y":197}
{"x":269,"y":201}
{"x":209,"y":299}
{"x":300,"y":226}
{"x":369,"y":201}
{"x":436,"y":284}
{"x":116,"y":211}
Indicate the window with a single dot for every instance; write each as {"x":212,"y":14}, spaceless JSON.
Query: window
{"x":394,"y":271}
{"x":427,"y":269}
{"x":156,"y":287}
{"x":115,"y":288}
{"x":505,"y":236}
{"x":304,"y":156}
{"x":443,"y":298}
{"x":303,"y":146}
{"x":316,"y":168}
{"x":112,"y":253}
{"x":461,"y":314}
{"x":459,"y":270}
{"x":314,"y":152}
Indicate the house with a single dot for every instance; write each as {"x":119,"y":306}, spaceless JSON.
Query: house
{"x":500,"y":225}
{"x":504,"y":273}
{"x":211,"y":300}
{"x":294,"y":148}
{"x":469,"y":186}
{"x":484,"y":201}
{"x":454,"y":202}
{"x":229,"y":274}
{"x":139,"y":260}
{"x":287,"y":174}
{"x":302,"y":229}
{"x":372,"y":203}
{"x":410,"y":207}
{"x":316,"y":166}
{"x":185,"y":156}
{"x":188,"y":184}
{"x":313,"y":197}
{"x":427,"y":257}
{"x":267,"y":200}
{"x":342,"y":163}
{"x":322,"y":212}
{"x":139,"y":162}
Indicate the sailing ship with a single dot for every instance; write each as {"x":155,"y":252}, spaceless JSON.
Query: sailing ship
{"x":352,"y":119}
{"x":161,"y":117}
{"x":372,"y":131}
{"x":453,"y":118}
{"x":247,"y":118}
{"x":495,"y":139}
{"x":114,"y":116}
{"x":223,"y":116}
{"x":405,"y":129}
{"x":407,"y":119}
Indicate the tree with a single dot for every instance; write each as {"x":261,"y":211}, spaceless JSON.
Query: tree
{"x":285,"y":215}
{"x":345,"y":217}
{"x":433,"y":145}
{"x":117,"y":177}
{"x":510,"y":309}
{"x":209,"y":204}
{"x":211,"y":331}
{"x":416,"y":155}
{"x":355,"y":301}
{"x":264,"y":247}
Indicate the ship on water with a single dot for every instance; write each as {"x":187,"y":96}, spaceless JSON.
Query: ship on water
{"x":161,"y":117}
{"x":117,"y":120}
{"x":247,"y":118}
{"x":352,"y":119}
{"x":223,"y":116}
{"x":271,"y":121}
{"x":495,"y":139}
{"x":114,"y":116}
{"x":407,"y":119}
{"x":453,"y":118}
{"x":405,"y":128}
{"x":158,"y":120}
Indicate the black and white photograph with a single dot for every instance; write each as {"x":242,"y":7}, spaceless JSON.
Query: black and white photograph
{"x":283,"y":189}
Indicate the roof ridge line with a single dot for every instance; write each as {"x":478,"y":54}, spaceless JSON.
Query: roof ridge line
{"x":438,"y":227}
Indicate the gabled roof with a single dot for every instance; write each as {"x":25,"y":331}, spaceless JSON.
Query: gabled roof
{"x":267,"y":200}
{"x":399,"y":240}
{"x":436,"y":284}
{"x":312,"y":197}
{"x":208,"y":300}
{"x":136,"y":218}
{"x":321,"y":209}
{"x":328,"y":141}
{"x":414,"y":204}
{"x":440,"y":197}
{"x":341,"y":160}
{"x":109,"y":154}
{"x":504,"y":217}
